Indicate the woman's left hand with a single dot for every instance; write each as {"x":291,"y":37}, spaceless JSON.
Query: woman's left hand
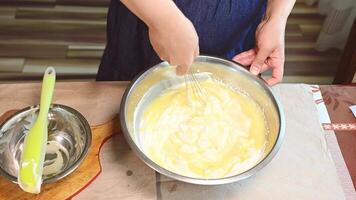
{"x":269,"y":50}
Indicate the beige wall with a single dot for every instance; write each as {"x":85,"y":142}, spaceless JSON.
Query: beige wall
{"x":354,"y":79}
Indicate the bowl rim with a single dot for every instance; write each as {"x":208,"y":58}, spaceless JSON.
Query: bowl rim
{"x":234,"y":66}
{"x":76,"y":164}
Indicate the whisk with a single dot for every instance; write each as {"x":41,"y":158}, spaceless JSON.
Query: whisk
{"x":194,"y":87}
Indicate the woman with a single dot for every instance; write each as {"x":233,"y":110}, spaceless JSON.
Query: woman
{"x":142,"y":33}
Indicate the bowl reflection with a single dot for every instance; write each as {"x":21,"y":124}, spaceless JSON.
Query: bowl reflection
{"x":69,"y":138}
{"x":152,"y":82}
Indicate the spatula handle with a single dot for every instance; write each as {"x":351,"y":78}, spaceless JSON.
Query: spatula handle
{"x":49,"y":79}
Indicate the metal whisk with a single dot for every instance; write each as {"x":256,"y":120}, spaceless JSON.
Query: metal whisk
{"x":194,"y":87}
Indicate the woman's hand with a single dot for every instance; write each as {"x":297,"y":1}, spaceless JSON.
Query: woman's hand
{"x":176,"y":41}
{"x":172,"y":35}
{"x":269,"y":50}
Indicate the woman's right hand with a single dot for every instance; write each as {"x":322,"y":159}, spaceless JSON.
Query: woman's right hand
{"x":176,"y":41}
{"x":172,"y":35}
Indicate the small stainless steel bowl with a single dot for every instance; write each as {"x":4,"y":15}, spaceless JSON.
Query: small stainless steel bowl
{"x":69,"y":139}
{"x":145,"y":87}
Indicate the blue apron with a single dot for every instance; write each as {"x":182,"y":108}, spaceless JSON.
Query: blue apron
{"x":225,"y":28}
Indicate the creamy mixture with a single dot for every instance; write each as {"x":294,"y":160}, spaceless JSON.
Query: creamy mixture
{"x":55,"y":163}
{"x":220,"y":135}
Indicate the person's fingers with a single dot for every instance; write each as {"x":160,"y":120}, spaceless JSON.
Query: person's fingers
{"x":246,"y":61}
{"x":196,"y":52}
{"x":181,"y":70}
{"x":264,"y":68}
{"x":184,"y":65}
{"x":244,"y":54}
{"x":163,"y":57}
{"x":277,"y":75}
{"x":160,"y":52}
{"x":245,"y":58}
{"x":262,"y":55}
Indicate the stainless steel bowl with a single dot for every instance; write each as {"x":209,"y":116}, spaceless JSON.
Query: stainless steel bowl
{"x":152,"y":82}
{"x":69,"y":138}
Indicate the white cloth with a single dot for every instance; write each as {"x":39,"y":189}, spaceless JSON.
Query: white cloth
{"x":353,"y":109}
{"x":302,"y":169}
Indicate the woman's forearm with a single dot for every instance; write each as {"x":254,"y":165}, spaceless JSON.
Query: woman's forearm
{"x":279,"y":9}
{"x":153,"y":12}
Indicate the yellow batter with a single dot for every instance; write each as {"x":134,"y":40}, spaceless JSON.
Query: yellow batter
{"x":221,"y":136}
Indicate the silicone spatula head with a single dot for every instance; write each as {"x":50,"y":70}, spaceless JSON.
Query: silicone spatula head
{"x":34,"y":147}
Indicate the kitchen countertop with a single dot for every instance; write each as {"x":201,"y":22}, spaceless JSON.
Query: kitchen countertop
{"x":99,"y":103}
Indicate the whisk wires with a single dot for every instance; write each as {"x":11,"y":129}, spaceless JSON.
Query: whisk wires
{"x":195,"y":90}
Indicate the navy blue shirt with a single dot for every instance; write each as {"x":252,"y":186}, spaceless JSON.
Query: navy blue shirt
{"x":225,"y":28}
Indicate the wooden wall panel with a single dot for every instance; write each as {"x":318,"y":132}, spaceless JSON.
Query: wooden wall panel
{"x":70,"y":34}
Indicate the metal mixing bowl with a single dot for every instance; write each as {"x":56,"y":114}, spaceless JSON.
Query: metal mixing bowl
{"x":152,"y":82}
{"x":69,"y":138}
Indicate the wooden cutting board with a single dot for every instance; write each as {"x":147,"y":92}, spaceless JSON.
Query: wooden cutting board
{"x":68,"y":187}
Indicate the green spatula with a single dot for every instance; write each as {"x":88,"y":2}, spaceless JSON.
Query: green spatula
{"x":34,"y":147}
